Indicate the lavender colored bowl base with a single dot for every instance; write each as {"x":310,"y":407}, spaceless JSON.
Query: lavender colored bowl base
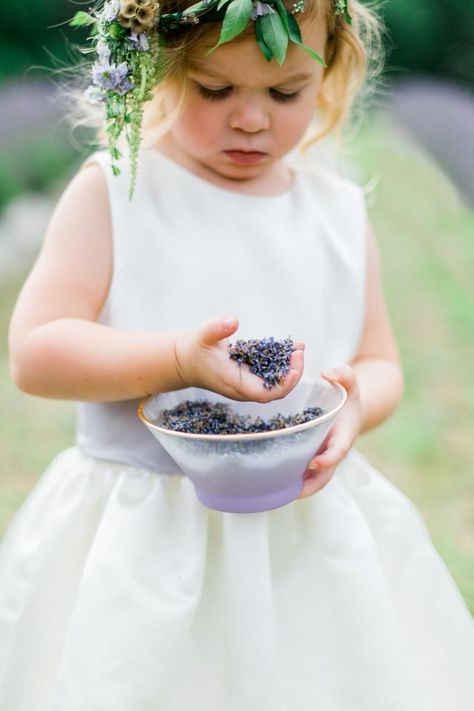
{"x":251,"y":503}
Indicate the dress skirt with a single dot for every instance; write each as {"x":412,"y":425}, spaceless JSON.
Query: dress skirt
{"x":119,"y":591}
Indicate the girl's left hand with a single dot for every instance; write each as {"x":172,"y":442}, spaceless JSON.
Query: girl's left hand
{"x":340,"y":438}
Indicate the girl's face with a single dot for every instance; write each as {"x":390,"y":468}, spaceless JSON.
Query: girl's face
{"x":240,"y":113}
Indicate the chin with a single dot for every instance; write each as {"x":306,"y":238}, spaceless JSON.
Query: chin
{"x":245,"y":174}
{"x":241,"y":172}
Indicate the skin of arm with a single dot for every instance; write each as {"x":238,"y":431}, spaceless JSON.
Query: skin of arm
{"x":373,"y":380}
{"x":58,"y":350}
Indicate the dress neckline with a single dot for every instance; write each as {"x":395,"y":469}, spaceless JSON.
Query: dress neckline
{"x":192,"y":177}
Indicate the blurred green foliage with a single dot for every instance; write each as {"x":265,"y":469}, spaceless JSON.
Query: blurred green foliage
{"x":434,"y":37}
{"x":34,"y":161}
{"x":430,"y":36}
{"x":33,"y":36}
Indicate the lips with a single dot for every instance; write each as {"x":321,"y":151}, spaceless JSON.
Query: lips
{"x":245,"y":157}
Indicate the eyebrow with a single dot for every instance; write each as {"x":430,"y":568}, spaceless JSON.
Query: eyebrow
{"x":218,"y":75}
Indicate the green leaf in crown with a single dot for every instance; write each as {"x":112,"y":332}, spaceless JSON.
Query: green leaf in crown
{"x":275,"y":26}
{"x":81,"y":19}
{"x":237,"y":16}
{"x":274,"y":35}
{"x":294,"y":34}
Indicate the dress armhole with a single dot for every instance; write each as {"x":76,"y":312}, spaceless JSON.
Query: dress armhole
{"x":364,"y":255}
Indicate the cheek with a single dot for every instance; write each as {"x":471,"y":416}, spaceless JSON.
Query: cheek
{"x":293,"y":124}
{"x":201,"y":119}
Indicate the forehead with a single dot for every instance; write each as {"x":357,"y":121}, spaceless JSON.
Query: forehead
{"x":242,"y":60}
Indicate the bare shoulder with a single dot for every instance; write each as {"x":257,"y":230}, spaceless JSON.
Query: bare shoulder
{"x":80,"y":226}
{"x":72,"y":274}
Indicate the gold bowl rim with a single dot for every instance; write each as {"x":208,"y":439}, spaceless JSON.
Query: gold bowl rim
{"x":245,"y":436}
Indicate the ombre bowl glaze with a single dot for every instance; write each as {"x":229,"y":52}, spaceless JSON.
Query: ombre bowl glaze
{"x":243,"y":473}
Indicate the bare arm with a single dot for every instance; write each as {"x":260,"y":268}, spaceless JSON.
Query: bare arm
{"x":58,"y":350}
{"x":377,"y":364}
{"x":373,"y":381}
{"x":376,"y":368}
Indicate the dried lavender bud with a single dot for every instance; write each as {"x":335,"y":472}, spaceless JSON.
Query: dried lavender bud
{"x":267,"y":358}
{"x":205,"y":417}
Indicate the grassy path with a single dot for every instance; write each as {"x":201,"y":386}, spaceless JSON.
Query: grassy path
{"x":425,"y":238}
{"x":426,"y":448}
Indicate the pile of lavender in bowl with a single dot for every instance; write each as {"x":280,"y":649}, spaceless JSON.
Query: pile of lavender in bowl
{"x":244,"y":457}
{"x":218,"y":418}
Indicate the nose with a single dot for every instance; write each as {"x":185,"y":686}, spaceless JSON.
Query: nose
{"x":250,"y":115}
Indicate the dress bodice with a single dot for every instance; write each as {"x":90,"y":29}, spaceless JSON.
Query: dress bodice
{"x":186,"y":250}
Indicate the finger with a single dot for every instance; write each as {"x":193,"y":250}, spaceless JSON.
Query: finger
{"x":343,"y":374}
{"x":292,"y":378}
{"x":250,"y":386}
{"x":297,"y":359}
{"x":290,"y":381}
{"x":314,"y":481}
{"x":214,"y":331}
{"x":258,"y":393}
{"x":296,"y":367}
{"x":332,"y":456}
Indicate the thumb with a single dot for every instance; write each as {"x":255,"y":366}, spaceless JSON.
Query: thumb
{"x":343,"y":374}
{"x":214,"y":331}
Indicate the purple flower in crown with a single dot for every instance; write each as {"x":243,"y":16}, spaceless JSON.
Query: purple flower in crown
{"x":260,"y":9}
{"x":124,"y":86}
{"x":94,"y":95}
{"x":103,"y":50}
{"x":109,"y":76}
{"x":111,"y":10}
{"x":139,"y":41}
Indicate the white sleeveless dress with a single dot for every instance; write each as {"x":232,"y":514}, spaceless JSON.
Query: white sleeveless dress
{"x":119,"y":591}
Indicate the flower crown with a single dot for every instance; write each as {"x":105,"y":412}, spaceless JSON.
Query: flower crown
{"x":126,"y":36}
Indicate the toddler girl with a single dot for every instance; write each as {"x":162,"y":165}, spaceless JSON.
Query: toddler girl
{"x":119,"y":591}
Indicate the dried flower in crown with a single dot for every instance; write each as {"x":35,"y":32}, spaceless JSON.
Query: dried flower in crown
{"x":125,"y":35}
{"x":137,"y":15}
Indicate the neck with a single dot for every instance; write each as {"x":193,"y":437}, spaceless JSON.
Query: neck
{"x":275,"y":179}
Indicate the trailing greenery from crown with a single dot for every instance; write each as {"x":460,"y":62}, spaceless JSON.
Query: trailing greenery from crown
{"x":125,"y":36}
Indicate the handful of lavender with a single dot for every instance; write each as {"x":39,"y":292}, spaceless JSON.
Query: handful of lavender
{"x":266,"y":357}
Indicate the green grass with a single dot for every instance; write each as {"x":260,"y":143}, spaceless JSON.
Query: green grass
{"x":425,"y":237}
{"x":426,"y":448}
{"x":36,"y":161}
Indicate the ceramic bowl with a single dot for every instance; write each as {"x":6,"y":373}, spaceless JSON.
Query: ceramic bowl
{"x":242,"y":473}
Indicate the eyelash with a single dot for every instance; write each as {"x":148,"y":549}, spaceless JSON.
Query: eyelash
{"x":220,"y":94}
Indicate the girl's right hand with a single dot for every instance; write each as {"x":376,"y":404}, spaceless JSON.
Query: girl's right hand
{"x":203,"y":361}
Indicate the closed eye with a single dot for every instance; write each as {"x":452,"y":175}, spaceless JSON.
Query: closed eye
{"x":282,"y":97}
{"x":213,"y":94}
{"x":219,"y":94}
